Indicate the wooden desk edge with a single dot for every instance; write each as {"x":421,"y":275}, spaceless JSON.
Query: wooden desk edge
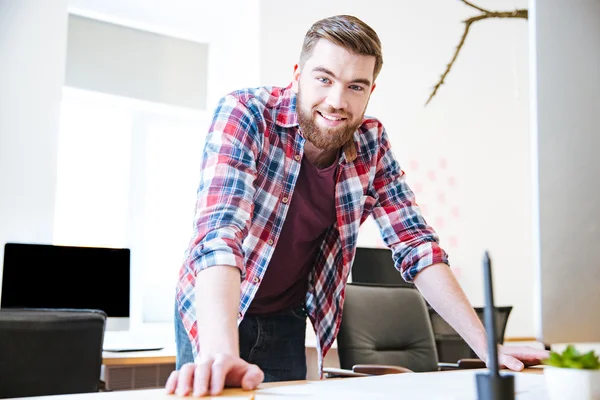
{"x":137,"y":360}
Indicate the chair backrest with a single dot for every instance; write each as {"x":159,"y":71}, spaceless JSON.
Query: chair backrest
{"x":376,"y":266}
{"x":450,"y":345}
{"x":386,"y":325}
{"x":50,"y":351}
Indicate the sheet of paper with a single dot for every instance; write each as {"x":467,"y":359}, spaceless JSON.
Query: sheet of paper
{"x":459,"y":385}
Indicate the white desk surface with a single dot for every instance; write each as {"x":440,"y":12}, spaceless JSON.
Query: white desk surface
{"x":451,"y":385}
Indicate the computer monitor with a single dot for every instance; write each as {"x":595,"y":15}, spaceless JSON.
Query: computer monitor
{"x":565,"y":142}
{"x":50,"y":276}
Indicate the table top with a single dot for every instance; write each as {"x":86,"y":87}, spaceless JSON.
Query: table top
{"x":459,"y":384}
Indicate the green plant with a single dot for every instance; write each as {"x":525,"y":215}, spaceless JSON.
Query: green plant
{"x":571,"y":358}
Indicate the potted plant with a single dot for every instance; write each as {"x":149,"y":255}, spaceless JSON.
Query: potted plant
{"x":572,"y":375}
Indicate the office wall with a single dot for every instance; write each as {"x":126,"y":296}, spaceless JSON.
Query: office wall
{"x":466,"y":154}
{"x":566,"y":140}
{"x":32,"y":50}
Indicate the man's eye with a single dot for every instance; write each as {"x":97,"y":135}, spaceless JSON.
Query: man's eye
{"x":323,"y":80}
{"x":357,"y":88}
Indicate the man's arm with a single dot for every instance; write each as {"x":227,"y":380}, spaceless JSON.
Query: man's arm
{"x":441,"y":289}
{"x":217,"y":303}
{"x":217,"y":300}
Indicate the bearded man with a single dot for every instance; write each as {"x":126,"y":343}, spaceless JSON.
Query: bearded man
{"x":288,"y":176}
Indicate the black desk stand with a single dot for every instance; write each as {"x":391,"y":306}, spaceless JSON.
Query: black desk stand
{"x":492,"y":385}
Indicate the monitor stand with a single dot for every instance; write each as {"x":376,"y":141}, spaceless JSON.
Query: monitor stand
{"x":117,"y":324}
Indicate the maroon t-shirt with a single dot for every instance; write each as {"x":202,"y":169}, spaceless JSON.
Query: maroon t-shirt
{"x":311,"y":213}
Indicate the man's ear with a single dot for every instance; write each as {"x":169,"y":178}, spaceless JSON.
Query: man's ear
{"x":296,"y":78}
{"x":373,"y":87}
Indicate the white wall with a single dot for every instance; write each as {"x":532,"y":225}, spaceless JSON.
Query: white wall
{"x":32,"y":54}
{"x":467,"y":153}
{"x":566,"y":126}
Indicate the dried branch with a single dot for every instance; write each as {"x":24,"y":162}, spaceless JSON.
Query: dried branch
{"x":475,"y":7}
{"x":485,"y":14}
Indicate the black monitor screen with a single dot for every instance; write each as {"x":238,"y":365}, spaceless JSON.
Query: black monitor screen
{"x":48,"y":276}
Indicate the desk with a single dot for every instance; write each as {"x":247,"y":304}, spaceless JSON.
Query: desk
{"x":137,"y":369}
{"x":165,"y":356}
{"x":151,"y":369}
{"x":426,"y":385}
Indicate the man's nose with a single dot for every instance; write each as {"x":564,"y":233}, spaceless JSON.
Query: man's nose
{"x":336,"y":98}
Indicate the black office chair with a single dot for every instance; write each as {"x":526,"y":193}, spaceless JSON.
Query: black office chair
{"x":451,"y":346}
{"x":376,"y":266}
{"x":50,"y":351}
{"x":386,"y":329}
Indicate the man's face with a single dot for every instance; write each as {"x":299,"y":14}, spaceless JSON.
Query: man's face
{"x":334,"y":87}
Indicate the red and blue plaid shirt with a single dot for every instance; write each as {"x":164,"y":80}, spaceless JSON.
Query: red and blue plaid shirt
{"x":250,"y":164}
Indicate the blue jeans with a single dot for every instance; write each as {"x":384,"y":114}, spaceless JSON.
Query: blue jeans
{"x":273,"y":342}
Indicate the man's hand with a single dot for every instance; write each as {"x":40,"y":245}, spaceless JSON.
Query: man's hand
{"x":210,"y":375}
{"x":518,"y":357}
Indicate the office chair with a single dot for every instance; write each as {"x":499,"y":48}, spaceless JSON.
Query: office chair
{"x":50,"y":351}
{"x":376,"y":266}
{"x":450,"y":345}
{"x":386,"y":329}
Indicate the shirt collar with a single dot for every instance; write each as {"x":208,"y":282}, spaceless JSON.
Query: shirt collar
{"x":286,"y":115}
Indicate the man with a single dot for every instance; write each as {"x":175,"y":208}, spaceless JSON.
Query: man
{"x":288,"y":176}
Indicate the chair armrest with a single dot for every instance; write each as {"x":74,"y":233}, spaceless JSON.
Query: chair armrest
{"x":341,"y":373}
{"x":376,"y":369}
{"x":464,"y":363}
{"x":471,"y":363}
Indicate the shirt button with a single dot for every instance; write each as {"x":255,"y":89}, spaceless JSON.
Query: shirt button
{"x":297,"y":157}
{"x":285,"y":200}
{"x":256,"y":279}
{"x":239,"y":315}
{"x":270,"y":242}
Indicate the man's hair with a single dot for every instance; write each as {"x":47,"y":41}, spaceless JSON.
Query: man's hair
{"x":348,"y":32}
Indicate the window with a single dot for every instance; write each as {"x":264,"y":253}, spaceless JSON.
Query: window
{"x":127,"y":177}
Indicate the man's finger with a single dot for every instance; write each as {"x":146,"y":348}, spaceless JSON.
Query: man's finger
{"x":218,"y":374}
{"x":528,"y":355}
{"x":184,"y":383}
{"x":202,"y":378}
{"x":252,"y":378}
{"x":512,"y":363}
{"x":531,"y":354}
{"x":171,"y":384}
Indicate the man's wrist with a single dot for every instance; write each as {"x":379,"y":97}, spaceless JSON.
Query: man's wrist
{"x":480,"y":346}
{"x":211,"y":354}
{"x":225,"y":347}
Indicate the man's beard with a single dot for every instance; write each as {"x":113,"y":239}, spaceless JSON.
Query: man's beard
{"x":325,"y":138}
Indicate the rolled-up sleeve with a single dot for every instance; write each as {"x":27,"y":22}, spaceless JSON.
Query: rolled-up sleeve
{"x":414,"y":244}
{"x":225,"y":194}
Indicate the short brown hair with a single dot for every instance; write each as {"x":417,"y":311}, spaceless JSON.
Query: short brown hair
{"x":348,"y":32}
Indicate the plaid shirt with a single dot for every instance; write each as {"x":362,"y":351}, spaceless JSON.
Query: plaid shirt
{"x":250,"y":164}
